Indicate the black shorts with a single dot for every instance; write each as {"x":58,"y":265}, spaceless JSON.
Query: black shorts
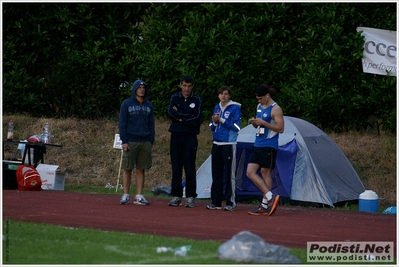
{"x":264,"y":156}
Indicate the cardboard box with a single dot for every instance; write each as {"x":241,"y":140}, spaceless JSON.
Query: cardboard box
{"x":51,"y":177}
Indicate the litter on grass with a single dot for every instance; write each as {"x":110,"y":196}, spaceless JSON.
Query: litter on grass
{"x":390,"y":210}
{"x":164,"y":249}
{"x":248,"y":247}
{"x":179,"y":251}
{"x":109,"y":185}
{"x":161,"y":190}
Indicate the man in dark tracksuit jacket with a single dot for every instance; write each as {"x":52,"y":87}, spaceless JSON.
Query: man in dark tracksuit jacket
{"x":185,"y":110}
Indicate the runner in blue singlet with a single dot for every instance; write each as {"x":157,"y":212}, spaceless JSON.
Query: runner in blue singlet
{"x":269,"y":122}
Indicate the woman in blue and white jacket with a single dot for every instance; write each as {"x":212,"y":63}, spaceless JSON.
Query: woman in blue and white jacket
{"x":225,"y":124}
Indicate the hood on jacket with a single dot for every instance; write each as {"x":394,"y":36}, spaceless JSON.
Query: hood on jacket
{"x":136,"y":85}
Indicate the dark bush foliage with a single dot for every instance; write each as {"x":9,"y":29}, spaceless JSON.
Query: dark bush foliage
{"x":69,"y":59}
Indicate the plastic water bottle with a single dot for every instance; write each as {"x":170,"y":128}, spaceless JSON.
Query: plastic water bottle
{"x":46,"y":133}
{"x":10,"y":134}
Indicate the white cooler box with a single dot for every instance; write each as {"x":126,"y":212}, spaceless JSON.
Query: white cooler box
{"x":51,"y":177}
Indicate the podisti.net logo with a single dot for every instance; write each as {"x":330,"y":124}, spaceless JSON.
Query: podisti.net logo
{"x":353,"y":252}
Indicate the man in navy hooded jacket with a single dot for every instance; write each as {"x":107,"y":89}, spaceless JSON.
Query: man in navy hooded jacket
{"x":137,"y":133}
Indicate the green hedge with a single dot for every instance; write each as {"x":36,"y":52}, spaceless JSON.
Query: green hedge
{"x":69,"y":59}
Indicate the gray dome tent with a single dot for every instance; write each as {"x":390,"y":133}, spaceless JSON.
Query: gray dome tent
{"x":310,"y":167}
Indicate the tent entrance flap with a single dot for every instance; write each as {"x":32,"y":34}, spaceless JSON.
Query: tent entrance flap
{"x":283,"y":172}
{"x":244,"y":186}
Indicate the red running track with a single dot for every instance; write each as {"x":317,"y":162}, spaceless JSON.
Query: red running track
{"x":289,"y":226}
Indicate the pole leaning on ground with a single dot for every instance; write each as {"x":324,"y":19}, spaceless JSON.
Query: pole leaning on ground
{"x":119,"y":173}
{"x":118,"y":145}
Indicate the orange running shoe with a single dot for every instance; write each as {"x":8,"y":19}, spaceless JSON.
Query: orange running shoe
{"x":272,"y":204}
{"x":259,"y":211}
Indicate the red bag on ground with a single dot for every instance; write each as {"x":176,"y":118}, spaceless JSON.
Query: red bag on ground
{"x":28,"y":178}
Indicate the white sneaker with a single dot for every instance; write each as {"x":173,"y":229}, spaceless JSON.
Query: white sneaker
{"x":190,"y":202}
{"x":140,"y":200}
{"x":176,"y":201}
{"x":125,"y":199}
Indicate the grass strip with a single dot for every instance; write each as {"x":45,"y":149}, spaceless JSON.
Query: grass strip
{"x":31,"y":243}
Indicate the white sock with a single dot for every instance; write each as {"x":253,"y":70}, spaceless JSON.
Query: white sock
{"x":264,"y":203}
{"x":138,"y":195}
{"x":269,"y":195}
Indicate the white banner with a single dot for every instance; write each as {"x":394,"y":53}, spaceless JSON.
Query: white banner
{"x":379,"y":54}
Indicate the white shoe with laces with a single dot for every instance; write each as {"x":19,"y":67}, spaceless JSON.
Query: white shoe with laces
{"x":190,"y":203}
{"x":175,"y":202}
{"x":140,"y":200}
{"x":125,"y":199}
